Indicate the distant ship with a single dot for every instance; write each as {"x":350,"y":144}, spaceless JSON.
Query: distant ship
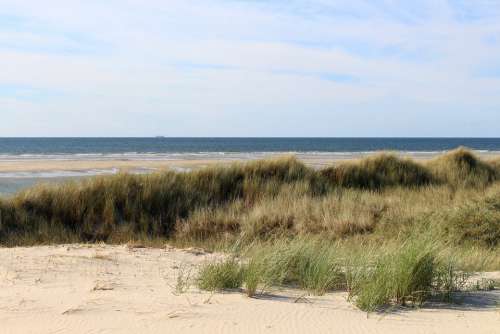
{"x":159,"y":136}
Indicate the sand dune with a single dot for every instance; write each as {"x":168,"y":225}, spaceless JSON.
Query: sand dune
{"x":116,"y":289}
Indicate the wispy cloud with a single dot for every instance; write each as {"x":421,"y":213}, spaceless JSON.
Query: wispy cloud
{"x":227,"y":67}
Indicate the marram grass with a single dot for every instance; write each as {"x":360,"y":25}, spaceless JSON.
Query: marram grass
{"x":405,"y":274}
{"x":457,"y":195}
{"x":358,"y":227}
{"x":226,"y":274}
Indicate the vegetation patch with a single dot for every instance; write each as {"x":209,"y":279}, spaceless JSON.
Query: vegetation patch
{"x":461,"y":168}
{"x":407,"y":274}
{"x":410,"y":273}
{"x":475,"y":222}
{"x":222,"y":275}
{"x":379,"y":172}
{"x":377,"y":198}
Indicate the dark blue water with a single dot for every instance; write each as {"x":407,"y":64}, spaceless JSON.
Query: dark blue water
{"x":49,"y":146}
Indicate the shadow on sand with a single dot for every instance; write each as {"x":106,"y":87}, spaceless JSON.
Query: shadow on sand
{"x":461,"y":301}
{"x":473,"y":301}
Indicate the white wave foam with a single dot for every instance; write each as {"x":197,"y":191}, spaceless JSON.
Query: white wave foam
{"x":134,"y":156}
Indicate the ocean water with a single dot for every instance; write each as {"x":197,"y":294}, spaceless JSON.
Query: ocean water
{"x":28,"y":149}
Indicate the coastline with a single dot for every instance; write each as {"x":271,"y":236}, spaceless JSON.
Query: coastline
{"x":21,"y":172}
{"x":42,"y":164}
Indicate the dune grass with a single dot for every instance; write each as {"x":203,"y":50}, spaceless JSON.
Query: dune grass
{"x":462,"y":168}
{"x":381,"y":171}
{"x":357,"y":226}
{"x":217,"y":276}
{"x":307,"y":263}
{"x":408,"y":273}
{"x":456,"y":194}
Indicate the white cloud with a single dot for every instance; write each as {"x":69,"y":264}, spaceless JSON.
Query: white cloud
{"x":186,"y":63}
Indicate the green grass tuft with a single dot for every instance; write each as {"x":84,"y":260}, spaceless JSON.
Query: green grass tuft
{"x":410,"y":273}
{"x":405,"y":275}
{"x":218,"y":276}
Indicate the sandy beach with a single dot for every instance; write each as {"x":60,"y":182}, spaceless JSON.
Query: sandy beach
{"x":82,"y":165}
{"x":315,"y":160}
{"x":305,"y":166}
{"x":119,"y":289}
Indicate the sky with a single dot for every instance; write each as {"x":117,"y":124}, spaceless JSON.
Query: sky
{"x":310,"y":68}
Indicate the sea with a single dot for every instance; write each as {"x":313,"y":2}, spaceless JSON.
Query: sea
{"x":14,"y":150}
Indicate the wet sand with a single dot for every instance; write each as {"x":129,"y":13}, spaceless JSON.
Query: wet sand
{"x":315,"y":160}
{"x":82,"y":165}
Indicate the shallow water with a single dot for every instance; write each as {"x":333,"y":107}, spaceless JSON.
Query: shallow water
{"x":10,"y":186}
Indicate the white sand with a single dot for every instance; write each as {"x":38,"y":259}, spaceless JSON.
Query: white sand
{"x":115,"y":289}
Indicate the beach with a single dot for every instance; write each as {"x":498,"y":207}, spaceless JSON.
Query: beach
{"x":105,"y":256}
{"x":250,"y":167}
{"x":151,"y":162}
{"x":122,"y":289}
{"x":20,"y":172}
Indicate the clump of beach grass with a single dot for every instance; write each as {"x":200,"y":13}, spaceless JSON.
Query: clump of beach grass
{"x":383,"y":170}
{"x":252,"y":275}
{"x":305,"y":263}
{"x":220,"y":275}
{"x":400,"y":274}
{"x":475,"y":222}
{"x":461,"y":168}
{"x":403,"y":275}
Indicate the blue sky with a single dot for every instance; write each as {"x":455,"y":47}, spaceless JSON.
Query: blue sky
{"x":250,"y":68}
